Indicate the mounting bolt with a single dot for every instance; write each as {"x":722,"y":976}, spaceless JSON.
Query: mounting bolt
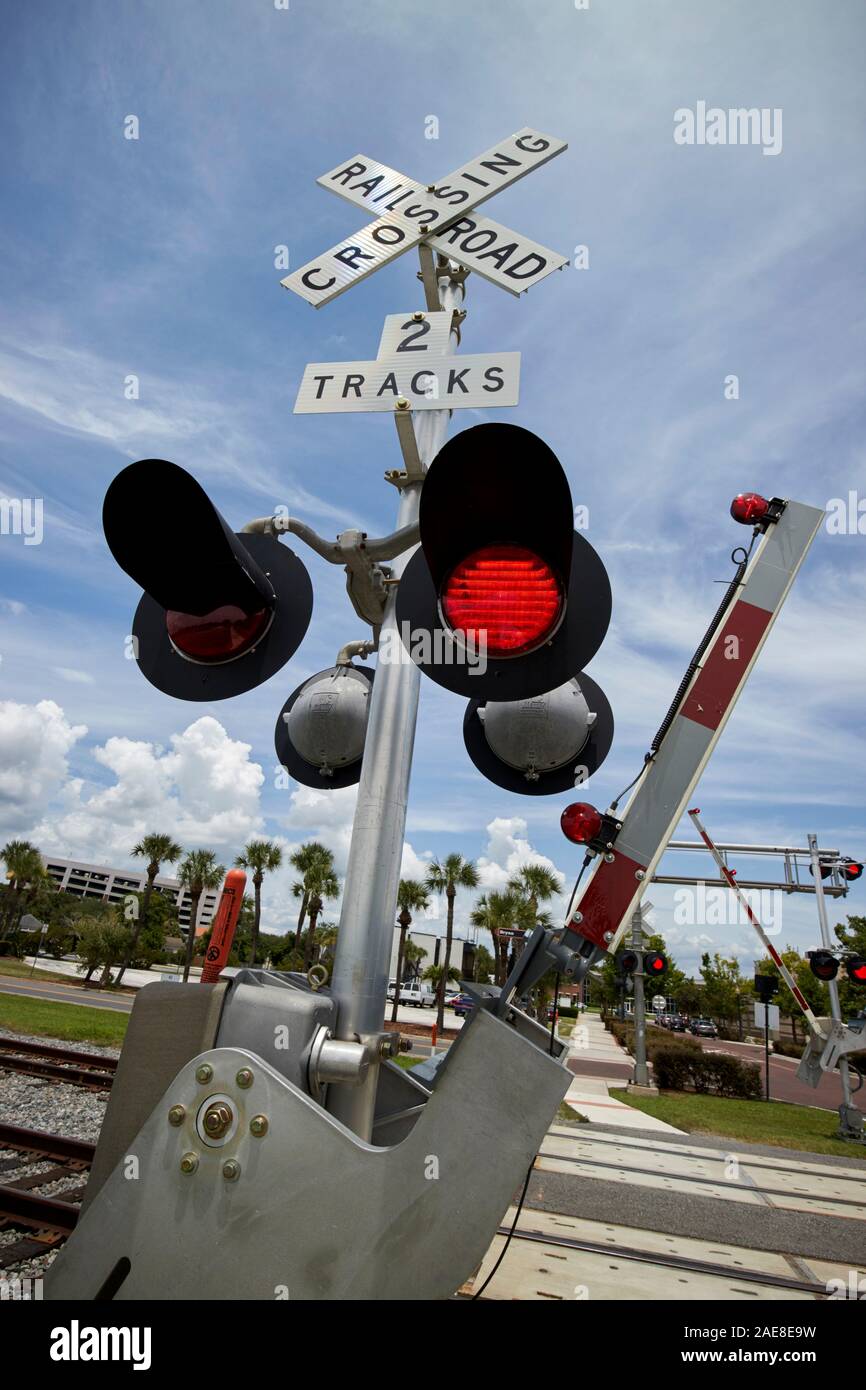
{"x":231,"y":1170}
{"x":609,"y":858}
{"x":578,"y":917}
{"x":244,"y":1078}
{"x":176,"y":1115}
{"x":402,"y":403}
{"x":640,"y":875}
{"x":418,"y":316}
{"x":217,"y":1120}
{"x":424,"y":230}
{"x":259,"y":1126}
{"x":189,"y":1163}
{"x":608,"y":936}
{"x":204,"y":1074}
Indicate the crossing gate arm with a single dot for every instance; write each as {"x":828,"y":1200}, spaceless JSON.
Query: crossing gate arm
{"x":600,"y":915}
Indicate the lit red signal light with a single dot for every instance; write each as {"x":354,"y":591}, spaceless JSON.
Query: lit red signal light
{"x":505,"y":598}
{"x":855,"y":968}
{"x":654,"y":963}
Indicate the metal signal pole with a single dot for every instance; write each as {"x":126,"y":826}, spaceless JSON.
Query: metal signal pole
{"x":366,"y":931}
{"x":641,"y":1077}
{"x":832,"y":987}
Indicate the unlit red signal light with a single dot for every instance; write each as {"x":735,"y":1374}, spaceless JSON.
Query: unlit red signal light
{"x":749,"y":508}
{"x":581,"y":823}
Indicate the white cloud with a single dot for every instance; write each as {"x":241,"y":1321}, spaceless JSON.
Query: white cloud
{"x":69,"y":673}
{"x":34,"y":743}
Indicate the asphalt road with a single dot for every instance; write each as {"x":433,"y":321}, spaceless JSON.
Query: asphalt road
{"x":65,"y":994}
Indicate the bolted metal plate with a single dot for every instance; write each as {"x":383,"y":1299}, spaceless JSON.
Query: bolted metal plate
{"x":316,"y":1213}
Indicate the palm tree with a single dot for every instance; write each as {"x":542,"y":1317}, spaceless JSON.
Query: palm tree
{"x":535,"y":883}
{"x":304,"y":859}
{"x":25,"y":873}
{"x":495,"y":913}
{"x":320,"y":882}
{"x":261,"y":856}
{"x":198,"y":873}
{"x":157,"y":849}
{"x":411,"y":897}
{"x":446,"y":877}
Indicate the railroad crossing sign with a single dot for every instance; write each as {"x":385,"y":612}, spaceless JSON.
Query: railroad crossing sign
{"x":411,"y":367}
{"x":436,"y":214}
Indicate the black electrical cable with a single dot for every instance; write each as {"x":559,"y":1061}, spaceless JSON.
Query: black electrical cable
{"x":510,"y":1233}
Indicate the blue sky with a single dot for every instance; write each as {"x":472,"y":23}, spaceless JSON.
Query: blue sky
{"x":155,"y":257}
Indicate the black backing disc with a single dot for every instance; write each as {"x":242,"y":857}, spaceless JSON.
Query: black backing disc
{"x":571,"y":648}
{"x":188,"y":680}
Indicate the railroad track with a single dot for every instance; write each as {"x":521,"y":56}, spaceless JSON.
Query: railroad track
{"x":86,"y":1069}
{"x":40,"y":1222}
{"x":667,"y":1260}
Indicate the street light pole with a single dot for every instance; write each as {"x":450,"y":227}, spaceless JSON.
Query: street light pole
{"x":366,"y":931}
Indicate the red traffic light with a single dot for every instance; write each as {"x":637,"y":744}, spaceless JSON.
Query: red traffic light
{"x":823,"y":964}
{"x":504,"y":600}
{"x":580,"y":822}
{"x":851,"y":870}
{"x":225,"y":633}
{"x":628,"y":962}
{"x":749,"y":508}
{"x":855,"y":969}
{"x":505,"y":597}
{"x":654,"y":963}
{"x":221,"y":612}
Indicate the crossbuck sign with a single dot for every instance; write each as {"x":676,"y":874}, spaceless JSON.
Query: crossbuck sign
{"x":442,"y":215}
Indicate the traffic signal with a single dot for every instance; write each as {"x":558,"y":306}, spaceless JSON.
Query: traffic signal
{"x":320,"y":732}
{"x":855,"y":969}
{"x":547,"y":743}
{"x":851,"y":869}
{"x":627,"y":962}
{"x":823,"y":964}
{"x":654,"y":963}
{"x":504,"y":600}
{"x":221,"y":612}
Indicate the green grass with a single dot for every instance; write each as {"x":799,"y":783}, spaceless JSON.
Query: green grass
{"x":565,"y":1115}
{"x":68,"y":1022}
{"x":565,"y":1027}
{"x":754,"y":1121}
{"x":20,"y":968}
{"x":408,"y":1062}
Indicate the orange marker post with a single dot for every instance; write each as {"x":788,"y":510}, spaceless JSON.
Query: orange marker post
{"x":224,"y":923}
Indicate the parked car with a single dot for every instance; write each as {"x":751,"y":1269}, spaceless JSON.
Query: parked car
{"x":703,"y":1028}
{"x":418,"y":994}
{"x":676,"y":1023}
{"x":463,"y":1004}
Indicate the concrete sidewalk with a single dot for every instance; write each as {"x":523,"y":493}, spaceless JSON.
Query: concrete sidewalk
{"x":589,"y":1096}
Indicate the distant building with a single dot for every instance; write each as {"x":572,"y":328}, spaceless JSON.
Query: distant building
{"x":462,"y":956}
{"x":112,"y":885}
